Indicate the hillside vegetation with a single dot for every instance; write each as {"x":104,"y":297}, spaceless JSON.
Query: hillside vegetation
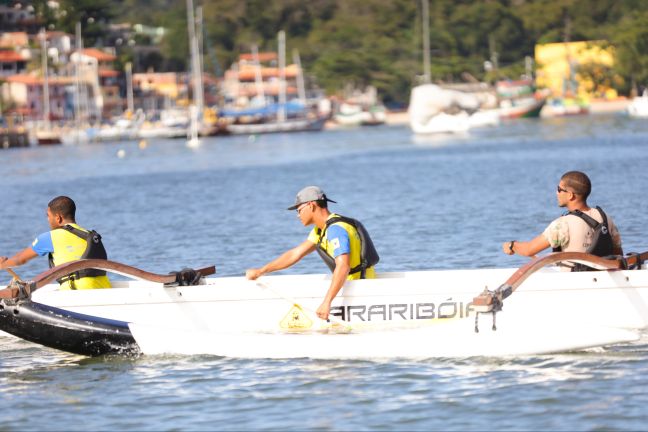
{"x":379,"y":42}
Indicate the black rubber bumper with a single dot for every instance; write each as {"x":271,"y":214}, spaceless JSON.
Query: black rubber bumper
{"x":65,"y":330}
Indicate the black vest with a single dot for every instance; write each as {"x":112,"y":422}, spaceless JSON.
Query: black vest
{"x":602,"y":244}
{"x":368,"y":254}
{"x":94,"y":250}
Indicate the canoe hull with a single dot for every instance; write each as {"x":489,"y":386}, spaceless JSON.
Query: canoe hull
{"x":613,"y":299}
{"x":231,"y":316}
{"x":451,"y":339}
{"x":66,"y":331}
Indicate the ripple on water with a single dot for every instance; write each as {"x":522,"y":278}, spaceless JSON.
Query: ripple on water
{"x":429,"y":203}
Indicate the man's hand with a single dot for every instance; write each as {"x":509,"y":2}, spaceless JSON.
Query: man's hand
{"x":506,"y":248}
{"x":19,"y":259}
{"x":323,"y":310}
{"x":253,"y":274}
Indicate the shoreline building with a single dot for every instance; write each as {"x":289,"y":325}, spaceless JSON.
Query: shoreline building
{"x":255,"y":81}
{"x":576,"y":69}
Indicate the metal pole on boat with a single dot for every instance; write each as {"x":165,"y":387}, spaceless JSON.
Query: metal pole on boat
{"x":200,"y":99}
{"x":46,"y":103}
{"x":84,"y":80}
{"x":196,"y":72}
{"x":77,"y":80}
{"x":281,"y":113}
{"x":258,"y":78}
{"x":528,"y":67}
{"x":129,"y":87}
{"x":426,"y":42}
{"x":301,"y":88}
{"x":196,"y":108}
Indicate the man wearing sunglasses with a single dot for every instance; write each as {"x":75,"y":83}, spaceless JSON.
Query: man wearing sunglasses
{"x":581,"y":229}
{"x":343,"y":243}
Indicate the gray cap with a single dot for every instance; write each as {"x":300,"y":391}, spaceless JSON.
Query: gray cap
{"x":308,"y":194}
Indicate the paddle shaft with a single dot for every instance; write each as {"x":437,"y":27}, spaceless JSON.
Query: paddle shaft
{"x":11,"y":291}
{"x":13,"y":273}
{"x":291,"y":300}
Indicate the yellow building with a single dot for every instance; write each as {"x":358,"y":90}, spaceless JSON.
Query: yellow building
{"x":558,"y":66}
{"x":167,"y":84}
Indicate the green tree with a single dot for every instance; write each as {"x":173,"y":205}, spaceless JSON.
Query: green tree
{"x":377,"y":42}
{"x":94,"y":16}
{"x":631,"y":42}
{"x":45,"y":13}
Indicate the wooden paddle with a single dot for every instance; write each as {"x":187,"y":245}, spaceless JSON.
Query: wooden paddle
{"x":489,"y":301}
{"x":294,"y":302}
{"x":13,"y":273}
{"x":99,"y":264}
{"x":11,"y":291}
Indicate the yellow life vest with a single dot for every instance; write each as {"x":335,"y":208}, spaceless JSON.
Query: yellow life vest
{"x":70,"y":247}
{"x":326,"y":248}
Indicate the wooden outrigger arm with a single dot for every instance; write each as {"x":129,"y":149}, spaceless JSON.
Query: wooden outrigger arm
{"x":183,"y":277}
{"x":491,"y":301}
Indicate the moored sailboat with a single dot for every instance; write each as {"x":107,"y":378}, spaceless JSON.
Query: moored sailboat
{"x":437,"y":110}
{"x":46,"y":135}
{"x":264,"y":113}
{"x":519,"y":99}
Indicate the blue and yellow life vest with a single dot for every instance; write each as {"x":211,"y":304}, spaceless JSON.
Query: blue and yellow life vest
{"x":70,"y":243}
{"x":363,"y":255}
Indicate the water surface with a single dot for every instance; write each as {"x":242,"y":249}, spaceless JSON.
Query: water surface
{"x":432,"y":202}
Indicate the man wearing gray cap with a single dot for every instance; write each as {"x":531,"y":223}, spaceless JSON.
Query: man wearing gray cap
{"x":343,"y":243}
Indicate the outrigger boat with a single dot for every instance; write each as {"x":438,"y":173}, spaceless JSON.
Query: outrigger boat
{"x":419,"y":314}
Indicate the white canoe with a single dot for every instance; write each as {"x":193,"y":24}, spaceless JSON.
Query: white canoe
{"x":552,"y":311}
{"x":453,"y":338}
{"x":612,"y":299}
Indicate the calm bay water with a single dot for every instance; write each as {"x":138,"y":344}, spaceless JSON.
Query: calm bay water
{"x":436,"y":202}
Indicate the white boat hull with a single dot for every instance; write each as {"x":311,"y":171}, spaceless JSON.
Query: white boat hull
{"x":434,"y":110}
{"x":356,"y":115}
{"x":639,"y":106}
{"x":290,"y":125}
{"x":162,"y":132}
{"x":453,"y":338}
{"x":527,"y":107}
{"x":442,"y":123}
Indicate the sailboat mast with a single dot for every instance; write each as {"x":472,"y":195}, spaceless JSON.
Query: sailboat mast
{"x":569,"y":88}
{"x":281,"y":113}
{"x":46,"y":100}
{"x":301,"y":88}
{"x":195,"y":61}
{"x":200,"y":100}
{"x":129,"y":87}
{"x":258,"y":78}
{"x":77,"y":73}
{"x":427,"y":74}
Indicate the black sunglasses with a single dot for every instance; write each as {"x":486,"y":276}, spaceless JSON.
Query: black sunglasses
{"x":301,"y":207}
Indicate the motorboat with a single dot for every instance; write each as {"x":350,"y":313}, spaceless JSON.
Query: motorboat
{"x":435,"y":110}
{"x":638,"y":107}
